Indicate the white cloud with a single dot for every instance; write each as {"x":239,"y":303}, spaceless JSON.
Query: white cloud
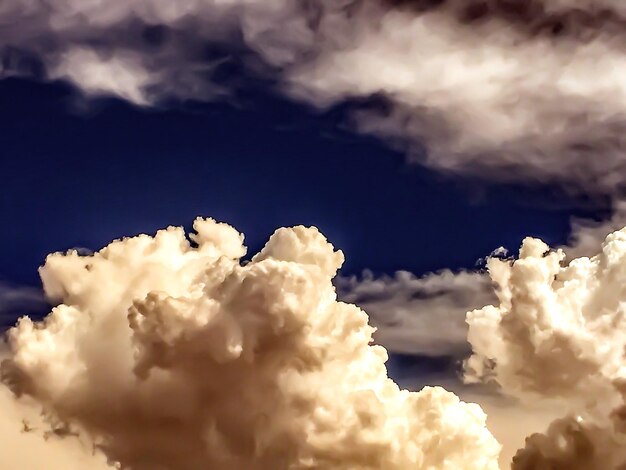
{"x":179,"y":358}
{"x":426,"y":314}
{"x":148,"y":318}
{"x":556,"y":335}
{"x":26,"y":445}
{"x":524,"y":91}
{"x":120,"y":74}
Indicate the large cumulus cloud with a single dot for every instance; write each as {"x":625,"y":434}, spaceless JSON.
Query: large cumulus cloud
{"x":176,"y":357}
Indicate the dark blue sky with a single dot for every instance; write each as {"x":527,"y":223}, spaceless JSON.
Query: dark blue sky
{"x":77,"y":178}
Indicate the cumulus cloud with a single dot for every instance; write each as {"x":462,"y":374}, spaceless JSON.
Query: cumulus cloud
{"x":175,"y":356}
{"x":557,"y":335}
{"x":28,"y":441}
{"x":406,"y":309}
{"x":511,"y":422}
{"x":505,"y":89}
{"x":167,"y":354}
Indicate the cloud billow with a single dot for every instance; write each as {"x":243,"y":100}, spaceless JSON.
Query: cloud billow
{"x":179,"y":357}
{"x":521,"y":91}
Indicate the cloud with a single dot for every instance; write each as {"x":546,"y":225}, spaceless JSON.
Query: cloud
{"x":26,"y":444}
{"x":172,"y":356}
{"x":425,"y":315}
{"x":493,"y":95}
{"x":510,"y":91}
{"x":18,"y":300}
{"x":249,"y":351}
{"x":419,"y":315}
{"x":587,"y":236}
{"x":552,"y":342}
{"x":510,"y":421}
{"x":120,"y":75}
{"x":556,"y":335}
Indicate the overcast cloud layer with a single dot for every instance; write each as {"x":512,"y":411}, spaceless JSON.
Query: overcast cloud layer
{"x":508,"y":90}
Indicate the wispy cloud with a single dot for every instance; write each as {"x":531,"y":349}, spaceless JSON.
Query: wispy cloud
{"x":419,"y":315}
{"x":516,"y":91}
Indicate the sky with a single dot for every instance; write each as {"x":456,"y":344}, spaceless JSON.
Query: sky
{"x":78,"y":175}
{"x":450,"y":168}
{"x":81,"y":172}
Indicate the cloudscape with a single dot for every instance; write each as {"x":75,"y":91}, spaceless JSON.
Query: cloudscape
{"x":434,"y":269}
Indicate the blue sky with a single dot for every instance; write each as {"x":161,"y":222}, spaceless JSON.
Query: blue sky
{"x":79,"y":174}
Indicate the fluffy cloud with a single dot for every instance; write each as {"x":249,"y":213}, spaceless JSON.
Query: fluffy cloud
{"x":27,"y":442}
{"x":258,"y":365}
{"x":426,"y":315}
{"x":552,"y":342}
{"x":172,"y":356}
{"x":557,"y":335}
